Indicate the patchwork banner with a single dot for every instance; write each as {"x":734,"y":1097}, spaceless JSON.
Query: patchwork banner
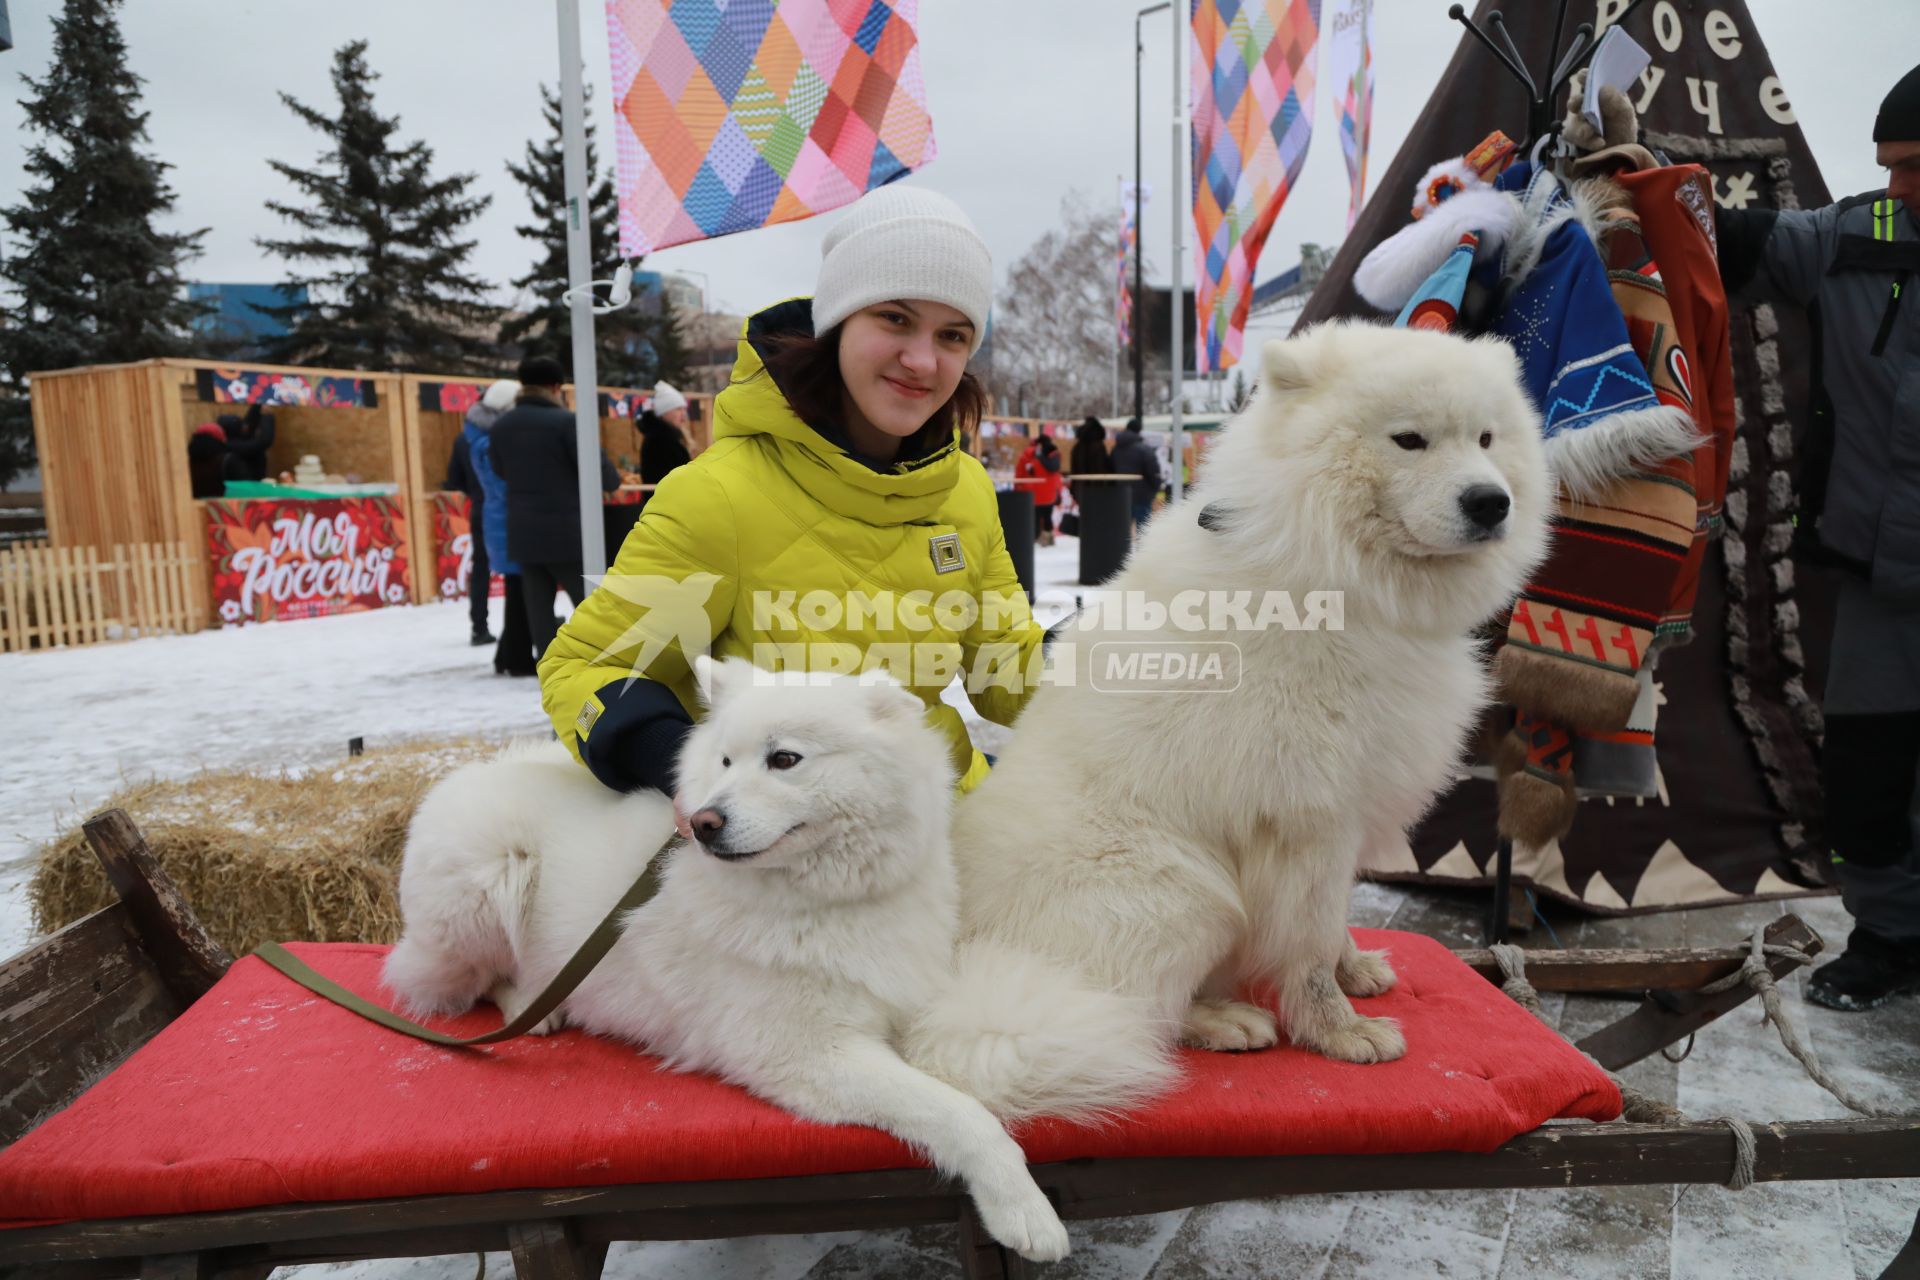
{"x":732,"y":116}
{"x":275,"y":560}
{"x":262,"y":386}
{"x":1253,"y":75}
{"x":1129,"y":239}
{"x":1350,"y":52}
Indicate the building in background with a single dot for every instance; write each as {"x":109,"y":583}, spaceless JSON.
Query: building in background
{"x":234,"y":325}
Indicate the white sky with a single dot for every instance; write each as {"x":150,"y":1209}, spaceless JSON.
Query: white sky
{"x":1029,"y":98}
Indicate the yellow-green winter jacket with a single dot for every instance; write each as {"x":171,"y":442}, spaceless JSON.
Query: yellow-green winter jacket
{"x":778,"y":545}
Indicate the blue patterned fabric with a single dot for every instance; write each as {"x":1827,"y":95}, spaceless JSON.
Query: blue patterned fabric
{"x":1576,"y":359}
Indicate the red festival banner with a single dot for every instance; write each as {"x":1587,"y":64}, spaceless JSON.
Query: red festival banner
{"x":306,"y":558}
{"x":452,"y":544}
{"x":453,"y":547}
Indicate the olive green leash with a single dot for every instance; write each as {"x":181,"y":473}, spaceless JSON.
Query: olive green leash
{"x":591,"y":952}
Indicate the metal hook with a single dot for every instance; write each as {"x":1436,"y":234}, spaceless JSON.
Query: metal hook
{"x":1498,"y":21}
{"x":1459,"y":15}
{"x":1582,"y":35}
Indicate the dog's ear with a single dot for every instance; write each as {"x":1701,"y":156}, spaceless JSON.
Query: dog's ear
{"x":889,"y":700}
{"x":714,"y":679}
{"x":1293,"y":364}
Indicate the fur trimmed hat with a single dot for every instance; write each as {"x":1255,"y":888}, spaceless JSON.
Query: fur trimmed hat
{"x":902,"y":242}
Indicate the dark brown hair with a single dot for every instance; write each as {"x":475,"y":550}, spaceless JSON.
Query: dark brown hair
{"x":806,"y":368}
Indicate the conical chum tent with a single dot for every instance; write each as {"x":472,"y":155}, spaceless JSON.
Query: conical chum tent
{"x":1737,"y":815}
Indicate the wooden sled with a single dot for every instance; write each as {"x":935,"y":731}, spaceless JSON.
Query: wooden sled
{"x":82,"y":1000}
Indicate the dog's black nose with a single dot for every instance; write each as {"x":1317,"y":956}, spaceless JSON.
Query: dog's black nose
{"x":1486,"y":505}
{"x":706,"y":824}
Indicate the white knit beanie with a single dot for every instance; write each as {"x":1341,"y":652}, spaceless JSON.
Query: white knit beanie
{"x":666,"y":398}
{"x":902,"y":242}
{"x":501,"y":395}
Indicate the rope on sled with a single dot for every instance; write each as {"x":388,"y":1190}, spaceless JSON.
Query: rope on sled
{"x":1753,"y":972}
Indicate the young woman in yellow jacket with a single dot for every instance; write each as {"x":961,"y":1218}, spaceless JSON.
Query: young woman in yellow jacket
{"x":836,"y":522}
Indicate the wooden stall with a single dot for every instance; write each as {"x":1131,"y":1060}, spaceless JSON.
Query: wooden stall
{"x":435,"y":408}
{"x":112,"y":443}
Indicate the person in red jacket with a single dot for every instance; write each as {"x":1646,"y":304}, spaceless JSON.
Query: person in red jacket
{"x":1041,"y":462}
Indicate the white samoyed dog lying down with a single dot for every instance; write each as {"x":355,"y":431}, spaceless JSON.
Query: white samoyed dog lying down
{"x":789,"y":950}
{"x":1179,"y":845}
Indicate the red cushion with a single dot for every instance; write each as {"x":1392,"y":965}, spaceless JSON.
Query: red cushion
{"x":264,"y":1094}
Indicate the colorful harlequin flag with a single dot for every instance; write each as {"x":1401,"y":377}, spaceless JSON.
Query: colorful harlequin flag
{"x":1350,"y":50}
{"x":1129,"y":237}
{"x":1253,"y":70}
{"x":735,"y":115}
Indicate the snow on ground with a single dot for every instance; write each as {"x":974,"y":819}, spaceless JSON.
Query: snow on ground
{"x":82,"y":722}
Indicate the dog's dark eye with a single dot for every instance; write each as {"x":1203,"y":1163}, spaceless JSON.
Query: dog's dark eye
{"x":783,"y":760}
{"x":725,"y":763}
{"x":1486,"y":439}
{"x":1410,"y":440}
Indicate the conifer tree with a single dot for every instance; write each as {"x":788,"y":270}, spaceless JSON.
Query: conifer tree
{"x":632,"y":347}
{"x":93,"y":279}
{"x":387,"y":276}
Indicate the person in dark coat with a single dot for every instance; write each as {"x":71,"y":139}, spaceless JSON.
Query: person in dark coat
{"x":248,"y":440}
{"x":207,"y":461}
{"x":533,"y":449}
{"x":663,"y":434}
{"x":1089,"y":456}
{"x":1132,"y":455}
{"x":514,"y":655}
{"x":1849,"y":263}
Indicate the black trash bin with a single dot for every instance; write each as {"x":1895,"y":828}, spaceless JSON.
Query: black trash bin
{"x":1016,"y":522}
{"x":1106,"y":524}
{"x":618,"y":519}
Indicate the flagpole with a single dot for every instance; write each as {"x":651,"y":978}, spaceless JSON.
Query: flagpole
{"x":1179,"y":211}
{"x":586,"y":372}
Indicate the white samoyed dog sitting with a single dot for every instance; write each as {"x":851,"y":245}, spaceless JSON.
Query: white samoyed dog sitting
{"x":1175,"y":846}
{"x":789,"y":947}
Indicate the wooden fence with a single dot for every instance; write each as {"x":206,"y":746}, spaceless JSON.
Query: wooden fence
{"x":54,"y":596}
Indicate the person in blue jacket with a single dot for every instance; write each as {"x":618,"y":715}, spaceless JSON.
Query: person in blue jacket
{"x":513,"y":655}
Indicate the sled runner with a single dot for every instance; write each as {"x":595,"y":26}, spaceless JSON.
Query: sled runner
{"x":172,"y":1112}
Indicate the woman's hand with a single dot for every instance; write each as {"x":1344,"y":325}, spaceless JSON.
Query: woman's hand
{"x":680,"y":822}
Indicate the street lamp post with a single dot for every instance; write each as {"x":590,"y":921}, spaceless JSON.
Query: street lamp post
{"x":586,"y":374}
{"x":1139,"y":270}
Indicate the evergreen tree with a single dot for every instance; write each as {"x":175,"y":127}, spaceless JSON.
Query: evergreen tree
{"x":93,"y":280}
{"x":386,"y":272}
{"x":632,"y":348}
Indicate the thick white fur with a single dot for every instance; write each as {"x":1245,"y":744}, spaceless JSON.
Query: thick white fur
{"x":787,"y":952}
{"x":1171,"y":847}
{"x":1400,"y":264}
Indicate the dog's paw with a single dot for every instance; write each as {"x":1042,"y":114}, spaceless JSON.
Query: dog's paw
{"x":1022,"y":1219}
{"x":1365,"y":973}
{"x":506,"y":997}
{"x":1363,"y":1040}
{"x":1228,"y":1026}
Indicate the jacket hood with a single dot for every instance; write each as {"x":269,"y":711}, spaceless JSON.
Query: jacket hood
{"x":902,"y":491}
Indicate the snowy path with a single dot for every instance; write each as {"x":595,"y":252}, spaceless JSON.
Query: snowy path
{"x":80,"y":722}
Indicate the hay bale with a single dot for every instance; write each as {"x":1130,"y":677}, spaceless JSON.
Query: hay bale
{"x":301,"y":855}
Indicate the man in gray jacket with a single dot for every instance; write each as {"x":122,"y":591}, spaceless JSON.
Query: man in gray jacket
{"x":1850,"y":264}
